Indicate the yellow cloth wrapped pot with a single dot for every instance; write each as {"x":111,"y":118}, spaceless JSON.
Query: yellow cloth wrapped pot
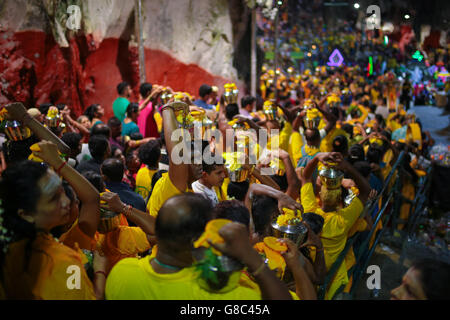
{"x":211,"y":234}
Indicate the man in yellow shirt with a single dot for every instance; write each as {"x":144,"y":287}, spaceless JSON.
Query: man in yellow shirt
{"x":180,"y":176}
{"x":149,"y":154}
{"x":171,"y":274}
{"x":338,"y":221}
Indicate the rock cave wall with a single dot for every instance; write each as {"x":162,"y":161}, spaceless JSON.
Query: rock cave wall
{"x":187,"y":43}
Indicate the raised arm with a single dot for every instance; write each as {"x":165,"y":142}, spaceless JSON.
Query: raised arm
{"x":18,"y":112}
{"x":329,"y":119}
{"x":143,"y":220}
{"x":265,"y":179}
{"x":284,"y":201}
{"x":89,"y":197}
{"x":361,"y":182}
{"x":178,"y":173}
{"x":303,"y":285}
{"x":294,"y":183}
{"x":69,"y":121}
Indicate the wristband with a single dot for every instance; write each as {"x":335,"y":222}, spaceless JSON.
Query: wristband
{"x":60,"y":167}
{"x":127,"y":210}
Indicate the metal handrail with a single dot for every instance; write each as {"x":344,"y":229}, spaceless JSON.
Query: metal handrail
{"x":356,"y":270}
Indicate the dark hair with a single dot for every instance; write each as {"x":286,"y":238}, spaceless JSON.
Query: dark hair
{"x":145,"y":89}
{"x":208,"y":168}
{"x":114,"y":122}
{"x":19,"y":190}
{"x":233,"y":210}
{"x":95,"y":179}
{"x":150,"y":153}
{"x":61,"y":106}
{"x":281,"y":181}
{"x":98,"y":145}
{"x":114,"y":148}
{"x":91,"y":110}
{"x":363,"y":167}
{"x":156,"y":176}
{"x":101,"y":129}
{"x":113,"y":169}
{"x":43,"y":108}
{"x":136,"y":136}
{"x":245,"y":101}
{"x":238,"y":190}
{"x":17,"y":151}
{"x":340,"y":144}
{"x":374,"y":154}
{"x":132,"y":108}
{"x":387,"y":134}
{"x":434,"y":277}
{"x":356,"y":153}
{"x":177,"y":231}
{"x":347,"y":127}
{"x":314,"y":220}
{"x":204,"y":90}
{"x":72,"y":139}
{"x":121,"y":87}
{"x":380,"y":120}
{"x":231,"y":110}
{"x":263,"y":210}
{"x":312,"y":135}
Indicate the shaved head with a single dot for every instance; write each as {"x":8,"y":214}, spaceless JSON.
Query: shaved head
{"x":181,"y":220}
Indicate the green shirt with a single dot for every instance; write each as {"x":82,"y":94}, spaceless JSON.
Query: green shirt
{"x":120,"y":107}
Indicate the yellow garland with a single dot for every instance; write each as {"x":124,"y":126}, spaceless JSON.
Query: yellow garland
{"x":288,"y":217}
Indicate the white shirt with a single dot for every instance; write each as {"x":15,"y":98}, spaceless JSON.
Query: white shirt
{"x":208,"y":193}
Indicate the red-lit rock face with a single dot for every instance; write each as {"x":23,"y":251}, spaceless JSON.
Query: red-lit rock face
{"x":34,"y":70}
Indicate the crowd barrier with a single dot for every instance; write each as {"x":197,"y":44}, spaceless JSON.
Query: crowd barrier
{"x":388,"y":214}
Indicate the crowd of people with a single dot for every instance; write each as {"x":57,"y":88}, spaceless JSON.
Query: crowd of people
{"x":308,"y":42}
{"x":98,"y":208}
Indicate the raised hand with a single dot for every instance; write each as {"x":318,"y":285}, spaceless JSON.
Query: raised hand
{"x":16,"y":111}
{"x":237,"y":243}
{"x":313,"y":240}
{"x":48,"y":151}
{"x":111,"y":201}
{"x":285,"y":201}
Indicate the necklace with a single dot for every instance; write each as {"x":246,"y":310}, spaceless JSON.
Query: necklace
{"x":166,"y":265}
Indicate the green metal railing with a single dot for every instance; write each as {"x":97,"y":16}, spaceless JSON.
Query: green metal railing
{"x":388,"y":214}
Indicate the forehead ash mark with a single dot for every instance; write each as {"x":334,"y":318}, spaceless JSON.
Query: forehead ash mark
{"x":51,"y":183}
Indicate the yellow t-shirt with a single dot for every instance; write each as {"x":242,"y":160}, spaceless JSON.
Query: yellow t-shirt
{"x":247,"y":282}
{"x":335,"y":231}
{"x":135,"y":279}
{"x":163,"y":190}
{"x":144,"y":181}
{"x":295,"y":147}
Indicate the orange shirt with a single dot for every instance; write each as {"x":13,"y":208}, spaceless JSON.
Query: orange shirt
{"x":123,"y":242}
{"x":47,"y":275}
